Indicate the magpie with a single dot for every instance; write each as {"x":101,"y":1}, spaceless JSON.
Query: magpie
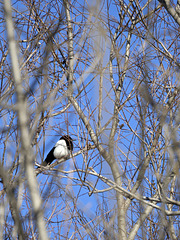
{"x":62,"y":149}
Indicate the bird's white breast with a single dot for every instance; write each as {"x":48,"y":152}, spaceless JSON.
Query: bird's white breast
{"x":61,"y":149}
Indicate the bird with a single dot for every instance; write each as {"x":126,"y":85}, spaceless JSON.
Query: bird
{"x":62,"y":149}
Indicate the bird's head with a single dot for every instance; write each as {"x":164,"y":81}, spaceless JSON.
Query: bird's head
{"x":69,"y":141}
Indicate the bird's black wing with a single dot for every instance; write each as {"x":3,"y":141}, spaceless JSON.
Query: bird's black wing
{"x":50,"y":157}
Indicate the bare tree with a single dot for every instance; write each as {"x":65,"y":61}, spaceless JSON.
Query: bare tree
{"x":107,"y":74}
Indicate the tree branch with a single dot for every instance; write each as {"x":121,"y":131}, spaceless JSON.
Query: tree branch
{"x":26,"y":151}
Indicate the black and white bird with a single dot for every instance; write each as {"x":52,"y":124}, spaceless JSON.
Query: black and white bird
{"x":62,"y":149}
